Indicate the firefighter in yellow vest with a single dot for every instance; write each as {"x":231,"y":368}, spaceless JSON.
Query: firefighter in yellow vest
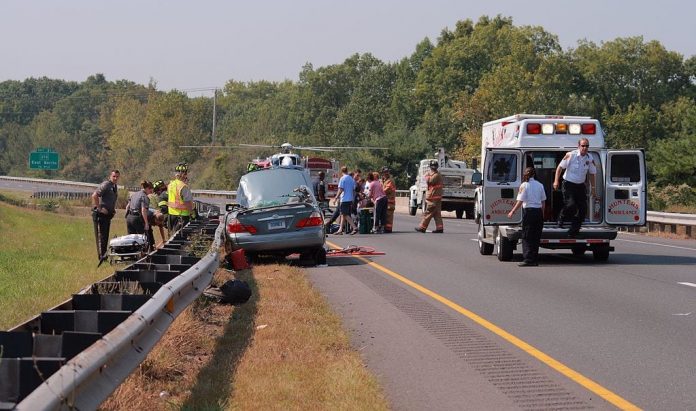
{"x":179,"y":198}
{"x":390,"y":190}
{"x":433,"y":200}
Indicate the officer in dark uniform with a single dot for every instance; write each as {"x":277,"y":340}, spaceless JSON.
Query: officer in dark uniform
{"x":103,"y":210}
{"x":137,"y":219}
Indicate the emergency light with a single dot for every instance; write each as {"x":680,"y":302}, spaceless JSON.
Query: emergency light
{"x":561,"y":128}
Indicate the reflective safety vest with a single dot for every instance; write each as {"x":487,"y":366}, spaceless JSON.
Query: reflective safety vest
{"x":175,"y":203}
{"x":435,"y":187}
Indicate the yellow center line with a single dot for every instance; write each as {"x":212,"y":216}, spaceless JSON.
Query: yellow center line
{"x":608,"y":395}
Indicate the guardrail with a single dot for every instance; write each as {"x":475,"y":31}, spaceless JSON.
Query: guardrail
{"x":672,"y":223}
{"x":118,"y":338}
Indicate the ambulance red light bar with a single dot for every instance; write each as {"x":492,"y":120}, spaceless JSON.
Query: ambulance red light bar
{"x":533,"y":128}
{"x":589,"y":128}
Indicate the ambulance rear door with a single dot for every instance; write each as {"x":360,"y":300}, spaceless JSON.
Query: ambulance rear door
{"x":625,"y":188}
{"x":501,"y":181}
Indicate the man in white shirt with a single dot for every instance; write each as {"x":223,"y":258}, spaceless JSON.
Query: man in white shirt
{"x":577,"y":164}
{"x":532,"y":198}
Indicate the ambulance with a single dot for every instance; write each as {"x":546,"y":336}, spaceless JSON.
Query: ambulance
{"x":511,"y":144}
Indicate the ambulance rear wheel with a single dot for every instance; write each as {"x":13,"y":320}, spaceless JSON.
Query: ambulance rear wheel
{"x":503,"y":247}
{"x":484,"y":247}
{"x":579,"y":249}
{"x":459,"y":212}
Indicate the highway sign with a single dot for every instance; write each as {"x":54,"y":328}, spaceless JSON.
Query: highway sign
{"x":44,"y":159}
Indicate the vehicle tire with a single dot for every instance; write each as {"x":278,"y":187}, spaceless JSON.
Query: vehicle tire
{"x":484,"y":247}
{"x":579,"y":249}
{"x":459,"y":212}
{"x":601,"y":253}
{"x":503,"y":247}
{"x":423,"y":204}
{"x":413,"y":209}
{"x":469,"y":210}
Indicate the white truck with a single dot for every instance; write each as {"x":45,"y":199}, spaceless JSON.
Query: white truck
{"x":511,"y":144}
{"x":459,"y":192}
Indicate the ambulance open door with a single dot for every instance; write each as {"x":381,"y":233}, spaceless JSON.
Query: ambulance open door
{"x":501,"y":181}
{"x":625,"y":188}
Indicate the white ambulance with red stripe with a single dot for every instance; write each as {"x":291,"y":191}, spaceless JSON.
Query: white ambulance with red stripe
{"x":511,"y":144}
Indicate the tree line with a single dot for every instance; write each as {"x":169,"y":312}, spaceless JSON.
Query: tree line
{"x":440,"y":95}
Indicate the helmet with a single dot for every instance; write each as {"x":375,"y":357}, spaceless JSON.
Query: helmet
{"x":385,"y":169}
{"x":158,"y":185}
{"x":181,"y":168}
{"x":434,"y":164}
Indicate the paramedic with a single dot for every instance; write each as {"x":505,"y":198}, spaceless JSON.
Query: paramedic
{"x":103,"y":210}
{"x":531,"y":198}
{"x":577,"y":164}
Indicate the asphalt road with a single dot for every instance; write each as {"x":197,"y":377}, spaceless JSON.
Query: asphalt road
{"x":625,"y":329}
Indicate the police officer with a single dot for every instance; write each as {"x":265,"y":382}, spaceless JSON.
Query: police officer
{"x":390,"y":190}
{"x":137,"y":219}
{"x":103,"y":210}
{"x":577,"y":164}
{"x":531,"y":197}
{"x":179,"y":198}
{"x":433,"y":199}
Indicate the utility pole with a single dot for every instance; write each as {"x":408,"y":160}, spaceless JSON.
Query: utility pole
{"x":214,"y":114}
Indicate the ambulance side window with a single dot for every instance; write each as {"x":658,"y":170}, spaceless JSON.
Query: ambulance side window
{"x":625,"y":168}
{"x":502,"y":168}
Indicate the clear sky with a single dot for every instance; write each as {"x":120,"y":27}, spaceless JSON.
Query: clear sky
{"x":193,"y":44}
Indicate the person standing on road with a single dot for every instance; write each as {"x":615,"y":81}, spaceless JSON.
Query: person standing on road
{"x":433,"y":200}
{"x":379,"y":198}
{"x":320,"y":190}
{"x":390,"y":190}
{"x":577,"y":164}
{"x":346,"y":194}
{"x":179,"y":198}
{"x":103,"y":210}
{"x":531,"y":198}
{"x":137,"y":218}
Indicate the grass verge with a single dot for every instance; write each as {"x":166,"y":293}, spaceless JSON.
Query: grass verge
{"x":284,"y":349}
{"x":44,"y":258}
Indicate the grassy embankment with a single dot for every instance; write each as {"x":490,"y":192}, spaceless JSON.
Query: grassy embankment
{"x":44,"y":258}
{"x":284,"y":349}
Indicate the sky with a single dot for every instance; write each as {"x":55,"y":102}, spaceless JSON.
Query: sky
{"x":189,"y":45}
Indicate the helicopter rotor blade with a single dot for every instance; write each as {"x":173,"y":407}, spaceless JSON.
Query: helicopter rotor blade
{"x":206,"y":147}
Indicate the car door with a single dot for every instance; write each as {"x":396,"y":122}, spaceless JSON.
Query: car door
{"x":501,"y":182}
{"x":625,"y":187}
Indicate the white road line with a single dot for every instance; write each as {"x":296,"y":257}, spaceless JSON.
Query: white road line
{"x":658,"y":244}
{"x":689,"y":284}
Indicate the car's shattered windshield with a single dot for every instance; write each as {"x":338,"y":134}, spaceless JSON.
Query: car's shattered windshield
{"x":269,"y":188}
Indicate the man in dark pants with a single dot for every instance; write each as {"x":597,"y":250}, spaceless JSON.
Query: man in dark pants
{"x":577,"y":164}
{"x":103,"y":210}
{"x":532,"y":198}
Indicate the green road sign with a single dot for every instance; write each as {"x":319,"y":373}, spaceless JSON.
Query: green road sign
{"x":44,"y":159}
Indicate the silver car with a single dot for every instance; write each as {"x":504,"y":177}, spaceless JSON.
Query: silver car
{"x":276,"y":214}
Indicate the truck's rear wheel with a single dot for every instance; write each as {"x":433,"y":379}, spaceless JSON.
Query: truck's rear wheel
{"x":423,"y":203}
{"x":484,"y":247}
{"x":459,"y":212}
{"x":413,"y":208}
{"x":601,"y":253}
{"x":503,"y":247}
{"x":469,"y":209}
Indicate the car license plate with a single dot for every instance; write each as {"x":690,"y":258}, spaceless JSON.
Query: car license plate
{"x":276,"y":225}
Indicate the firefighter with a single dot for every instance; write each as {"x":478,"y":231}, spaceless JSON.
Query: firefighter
{"x":161,"y":193}
{"x":390,"y":190}
{"x":433,"y":200}
{"x":179,"y":198}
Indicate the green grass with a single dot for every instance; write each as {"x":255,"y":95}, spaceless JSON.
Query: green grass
{"x":44,"y":258}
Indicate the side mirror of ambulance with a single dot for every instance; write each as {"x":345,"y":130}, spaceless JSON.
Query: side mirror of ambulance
{"x":476,"y":178}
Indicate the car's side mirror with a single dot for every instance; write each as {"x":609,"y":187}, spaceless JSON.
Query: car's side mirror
{"x":231,"y":206}
{"x":477,"y":178}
